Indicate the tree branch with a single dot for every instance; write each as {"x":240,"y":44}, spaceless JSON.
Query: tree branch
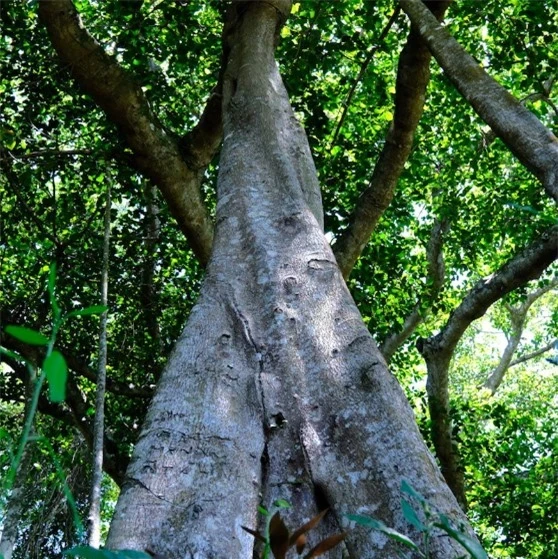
{"x":178,"y":175}
{"x":518,"y":316}
{"x":74,"y":363}
{"x":51,"y":153}
{"x":528,"y":356}
{"x":413,"y":75}
{"x":438,"y":350}
{"x":13,"y":182}
{"x":528,"y":139}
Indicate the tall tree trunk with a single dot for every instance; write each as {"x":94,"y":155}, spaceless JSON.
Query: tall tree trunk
{"x":275,"y":388}
{"x":94,"y":517}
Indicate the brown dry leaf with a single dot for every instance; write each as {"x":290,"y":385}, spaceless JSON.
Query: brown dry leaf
{"x":325,"y":545}
{"x":278,"y":537}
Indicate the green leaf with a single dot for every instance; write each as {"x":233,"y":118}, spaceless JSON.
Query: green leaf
{"x":407,"y":488}
{"x":282,"y":504}
{"x":95,"y":309}
{"x":411,"y":516}
{"x":86,"y":552}
{"x":27,"y":335}
{"x":15,"y":356}
{"x":471,"y":545}
{"x":381,"y":527}
{"x":56,"y":372}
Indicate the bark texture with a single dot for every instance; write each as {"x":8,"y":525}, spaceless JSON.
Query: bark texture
{"x":528,"y":139}
{"x":275,"y":388}
{"x":438,"y":350}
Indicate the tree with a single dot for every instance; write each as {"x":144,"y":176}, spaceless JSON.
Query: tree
{"x":276,"y":387}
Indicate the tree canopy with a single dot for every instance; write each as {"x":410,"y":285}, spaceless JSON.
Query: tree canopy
{"x":438,"y":206}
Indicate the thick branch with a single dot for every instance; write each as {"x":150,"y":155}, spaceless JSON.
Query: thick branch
{"x":157,"y":154}
{"x":413,"y":75}
{"x":438,"y":350}
{"x":528,"y":139}
{"x":526,"y":266}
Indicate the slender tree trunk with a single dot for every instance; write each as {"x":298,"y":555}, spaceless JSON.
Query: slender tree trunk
{"x":275,"y":388}
{"x":149,"y":292}
{"x":94,"y":535}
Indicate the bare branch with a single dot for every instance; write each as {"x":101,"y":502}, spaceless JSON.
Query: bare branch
{"x":157,"y":154}
{"x":537,"y":353}
{"x":413,"y":75}
{"x":518,"y":317}
{"x":528,"y":139}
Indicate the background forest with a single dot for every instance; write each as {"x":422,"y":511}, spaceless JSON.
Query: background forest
{"x":463,"y":207}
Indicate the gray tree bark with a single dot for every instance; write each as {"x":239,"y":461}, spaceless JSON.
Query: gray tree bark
{"x":275,"y":388}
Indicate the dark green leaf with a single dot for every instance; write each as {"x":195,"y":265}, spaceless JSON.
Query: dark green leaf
{"x":411,"y":516}
{"x":471,"y":545}
{"x":86,"y":552}
{"x":27,"y":335}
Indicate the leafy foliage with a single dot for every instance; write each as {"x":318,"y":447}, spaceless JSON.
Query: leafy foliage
{"x":58,"y":151}
{"x":426,"y":528}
